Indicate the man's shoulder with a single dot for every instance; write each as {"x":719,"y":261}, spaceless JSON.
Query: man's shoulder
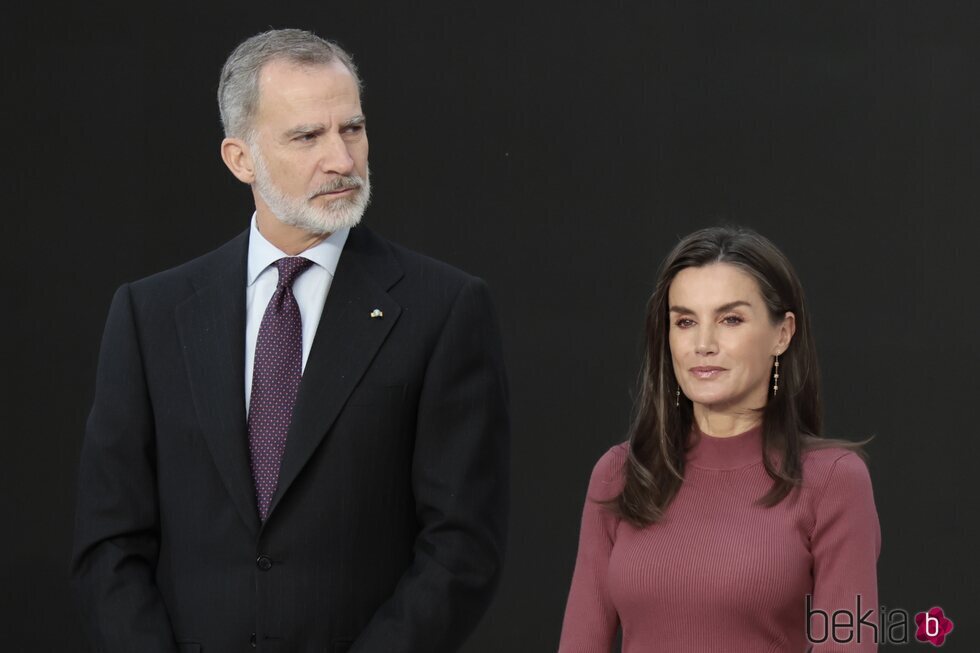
{"x":228,"y":258}
{"x":376,"y":253}
{"x":417,"y":268}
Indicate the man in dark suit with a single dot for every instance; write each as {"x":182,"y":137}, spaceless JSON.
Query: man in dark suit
{"x":298,"y":441}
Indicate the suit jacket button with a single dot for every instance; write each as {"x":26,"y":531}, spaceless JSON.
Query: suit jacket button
{"x":264,"y":563}
{"x":251,"y":640}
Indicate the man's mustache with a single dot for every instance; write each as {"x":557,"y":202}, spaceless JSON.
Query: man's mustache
{"x":338,"y":184}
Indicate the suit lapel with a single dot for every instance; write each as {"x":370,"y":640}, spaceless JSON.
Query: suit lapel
{"x":346,"y":341}
{"x":211,"y":325}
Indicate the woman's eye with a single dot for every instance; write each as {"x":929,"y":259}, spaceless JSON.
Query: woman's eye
{"x":732,"y":319}
{"x":684,"y":322}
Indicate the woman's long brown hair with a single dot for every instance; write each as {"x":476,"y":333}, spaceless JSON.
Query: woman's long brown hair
{"x":654,"y":468}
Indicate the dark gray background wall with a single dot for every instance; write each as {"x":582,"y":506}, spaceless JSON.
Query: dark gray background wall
{"x":557,"y":150}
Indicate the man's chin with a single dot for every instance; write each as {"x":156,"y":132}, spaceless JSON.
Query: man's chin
{"x":323,"y":225}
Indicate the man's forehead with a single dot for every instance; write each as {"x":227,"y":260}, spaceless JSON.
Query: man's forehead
{"x":283,"y":66}
{"x":284,"y":81}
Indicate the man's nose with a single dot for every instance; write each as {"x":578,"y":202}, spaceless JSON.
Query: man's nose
{"x":335,"y":157}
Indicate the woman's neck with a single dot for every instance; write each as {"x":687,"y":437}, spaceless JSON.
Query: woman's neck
{"x":724,"y":424}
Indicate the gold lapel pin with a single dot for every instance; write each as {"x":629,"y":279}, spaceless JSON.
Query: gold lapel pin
{"x":376,"y":313}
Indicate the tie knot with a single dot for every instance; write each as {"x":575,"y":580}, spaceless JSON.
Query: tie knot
{"x":290,"y":268}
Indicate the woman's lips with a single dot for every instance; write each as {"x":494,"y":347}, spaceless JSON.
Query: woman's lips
{"x":707,"y":372}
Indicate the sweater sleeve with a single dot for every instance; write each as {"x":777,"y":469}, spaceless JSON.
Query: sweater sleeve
{"x":845,"y":544}
{"x":591,"y":621}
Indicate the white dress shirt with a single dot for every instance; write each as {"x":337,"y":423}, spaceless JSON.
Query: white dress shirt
{"x":310,"y":290}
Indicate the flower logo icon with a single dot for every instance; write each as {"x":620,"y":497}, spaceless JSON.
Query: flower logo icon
{"x":932,"y":626}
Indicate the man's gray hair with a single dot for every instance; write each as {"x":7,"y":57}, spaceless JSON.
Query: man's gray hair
{"x":238,"y":89}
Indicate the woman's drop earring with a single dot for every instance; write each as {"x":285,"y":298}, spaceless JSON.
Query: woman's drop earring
{"x":775,"y":377}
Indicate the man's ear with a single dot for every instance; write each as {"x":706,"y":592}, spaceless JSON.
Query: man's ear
{"x":238,"y":158}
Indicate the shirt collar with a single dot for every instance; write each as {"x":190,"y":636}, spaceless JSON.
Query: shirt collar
{"x":262,"y":253}
{"x":712,"y":452}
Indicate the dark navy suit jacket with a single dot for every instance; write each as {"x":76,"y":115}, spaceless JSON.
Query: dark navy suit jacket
{"x":387,"y":530}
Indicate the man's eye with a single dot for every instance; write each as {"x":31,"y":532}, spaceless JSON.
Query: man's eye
{"x":354,"y":129}
{"x":306,"y":137}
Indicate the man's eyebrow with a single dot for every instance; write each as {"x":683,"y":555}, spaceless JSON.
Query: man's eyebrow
{"x":300,"y":130}
{"x":721,"y":309}
{"x":356,"y":121}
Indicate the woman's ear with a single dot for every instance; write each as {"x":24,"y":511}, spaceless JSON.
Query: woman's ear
{"x":787,"y":329}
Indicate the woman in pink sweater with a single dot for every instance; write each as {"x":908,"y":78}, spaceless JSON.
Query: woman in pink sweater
{"x":726,"y":523}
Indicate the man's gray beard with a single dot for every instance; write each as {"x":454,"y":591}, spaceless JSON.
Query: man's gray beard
{"x":300,"y":212}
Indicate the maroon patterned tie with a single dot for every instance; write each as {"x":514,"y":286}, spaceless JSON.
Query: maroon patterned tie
{"x":275,"y":381}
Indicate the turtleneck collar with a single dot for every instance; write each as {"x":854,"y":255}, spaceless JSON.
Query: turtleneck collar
{"x":711,"y":452}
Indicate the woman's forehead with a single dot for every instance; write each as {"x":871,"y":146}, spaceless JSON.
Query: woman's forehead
{"x":712,"y":286}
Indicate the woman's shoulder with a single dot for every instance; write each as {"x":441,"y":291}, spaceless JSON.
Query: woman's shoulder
{"x":841,"y":496}
{"x":826,"y":460}
{"x":607,"y":474}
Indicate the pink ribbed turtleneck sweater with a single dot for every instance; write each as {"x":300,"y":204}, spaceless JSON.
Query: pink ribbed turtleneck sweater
{"x":720,"y":573}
